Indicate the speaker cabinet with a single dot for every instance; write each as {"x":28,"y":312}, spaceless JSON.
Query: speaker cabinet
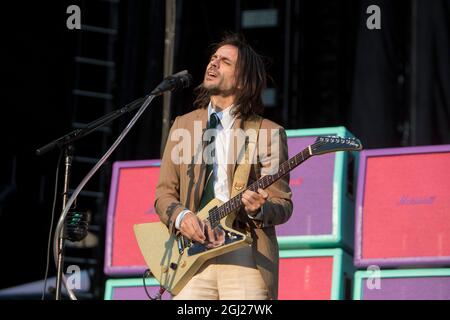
{"x":403,"y":207}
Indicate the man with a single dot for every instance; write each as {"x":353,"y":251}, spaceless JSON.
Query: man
{"x":228,"y":98}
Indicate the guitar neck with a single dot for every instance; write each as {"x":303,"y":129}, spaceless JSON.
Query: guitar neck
{"x":218,"y":213}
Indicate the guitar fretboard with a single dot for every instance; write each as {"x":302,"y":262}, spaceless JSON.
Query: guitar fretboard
{"x":218,"y":213}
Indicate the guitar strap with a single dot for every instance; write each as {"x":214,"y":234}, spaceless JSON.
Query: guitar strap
{"x":242,"y":171}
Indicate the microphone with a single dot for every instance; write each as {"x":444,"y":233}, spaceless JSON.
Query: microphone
{"x":174,"y":82}
{"x":76,"y":225}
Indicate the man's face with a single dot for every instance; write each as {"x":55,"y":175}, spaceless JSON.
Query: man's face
{"x":220,"y":75}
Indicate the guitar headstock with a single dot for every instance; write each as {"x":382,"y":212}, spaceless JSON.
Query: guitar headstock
{"x":327,"y":144}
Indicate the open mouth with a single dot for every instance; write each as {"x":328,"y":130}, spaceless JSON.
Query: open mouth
{"x":211,"y":74}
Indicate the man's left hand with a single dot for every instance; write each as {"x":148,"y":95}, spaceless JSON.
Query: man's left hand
{"x":253,"y":201}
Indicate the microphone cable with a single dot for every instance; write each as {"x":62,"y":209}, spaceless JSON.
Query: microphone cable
{"x":161,"y":288}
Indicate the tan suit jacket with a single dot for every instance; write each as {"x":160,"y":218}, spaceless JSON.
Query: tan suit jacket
{"x":180,"y":186}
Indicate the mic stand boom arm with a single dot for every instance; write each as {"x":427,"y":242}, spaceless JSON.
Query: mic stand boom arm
{"x":177,"y":81}
{"x":67,"y":139}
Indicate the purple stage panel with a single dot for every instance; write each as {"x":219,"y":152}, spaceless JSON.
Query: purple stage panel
{"x":322,"y":195}
{"x":402,"y":284}
{"x":135,"y":293}
{"x":312,"y":193}
{"x":132,"y":289}
{"x":435,"y":288}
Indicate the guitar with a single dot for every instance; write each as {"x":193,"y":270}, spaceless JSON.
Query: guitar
{"x":173,"y":259}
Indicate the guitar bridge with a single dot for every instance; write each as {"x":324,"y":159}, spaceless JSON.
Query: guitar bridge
{"x":197,"y":247}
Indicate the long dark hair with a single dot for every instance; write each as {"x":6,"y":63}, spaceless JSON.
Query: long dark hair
{"x":251,"y":78}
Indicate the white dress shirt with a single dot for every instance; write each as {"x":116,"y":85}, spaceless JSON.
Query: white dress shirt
{"x":222,"y":141}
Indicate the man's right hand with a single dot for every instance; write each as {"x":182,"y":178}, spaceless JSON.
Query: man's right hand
{"x":192,"y":228}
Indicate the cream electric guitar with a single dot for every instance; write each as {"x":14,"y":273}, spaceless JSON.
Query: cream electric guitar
{"x":173,"y":259}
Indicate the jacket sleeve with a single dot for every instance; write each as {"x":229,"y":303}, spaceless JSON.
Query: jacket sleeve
{"x":167,"y":196}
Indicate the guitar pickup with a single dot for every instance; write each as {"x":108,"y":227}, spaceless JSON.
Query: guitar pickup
{"x":181,"y":244}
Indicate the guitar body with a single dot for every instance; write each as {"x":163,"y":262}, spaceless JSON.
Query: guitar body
{"x":174,"y":267}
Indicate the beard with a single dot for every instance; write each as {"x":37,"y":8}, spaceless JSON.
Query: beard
{"x":215,"y":90}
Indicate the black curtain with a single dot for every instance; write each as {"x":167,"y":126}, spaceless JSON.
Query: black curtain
{"x":141,"y":41}
{"x":140,"y":62}
{"x":200,"y":24}
{"x":401,"y":88}
{"x":433,"y":73}
{"x":378,"y":99}
{"x":35,"y":61}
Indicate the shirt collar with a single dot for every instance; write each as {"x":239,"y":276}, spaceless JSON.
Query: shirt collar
{"x":225,"y":117}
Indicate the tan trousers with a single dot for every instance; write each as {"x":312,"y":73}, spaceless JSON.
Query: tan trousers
{"x":232,"y":276}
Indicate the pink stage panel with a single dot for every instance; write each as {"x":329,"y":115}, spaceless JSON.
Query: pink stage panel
{"x":131,"y":201}
{"x":305,"y":278}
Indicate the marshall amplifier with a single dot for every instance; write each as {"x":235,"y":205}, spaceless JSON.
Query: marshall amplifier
{"x":403,"y":207}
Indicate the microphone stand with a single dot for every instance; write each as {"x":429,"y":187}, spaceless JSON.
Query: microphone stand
{"x":179,"y":80}
{"x":68,"y":157}
{"x":66,"y":144}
